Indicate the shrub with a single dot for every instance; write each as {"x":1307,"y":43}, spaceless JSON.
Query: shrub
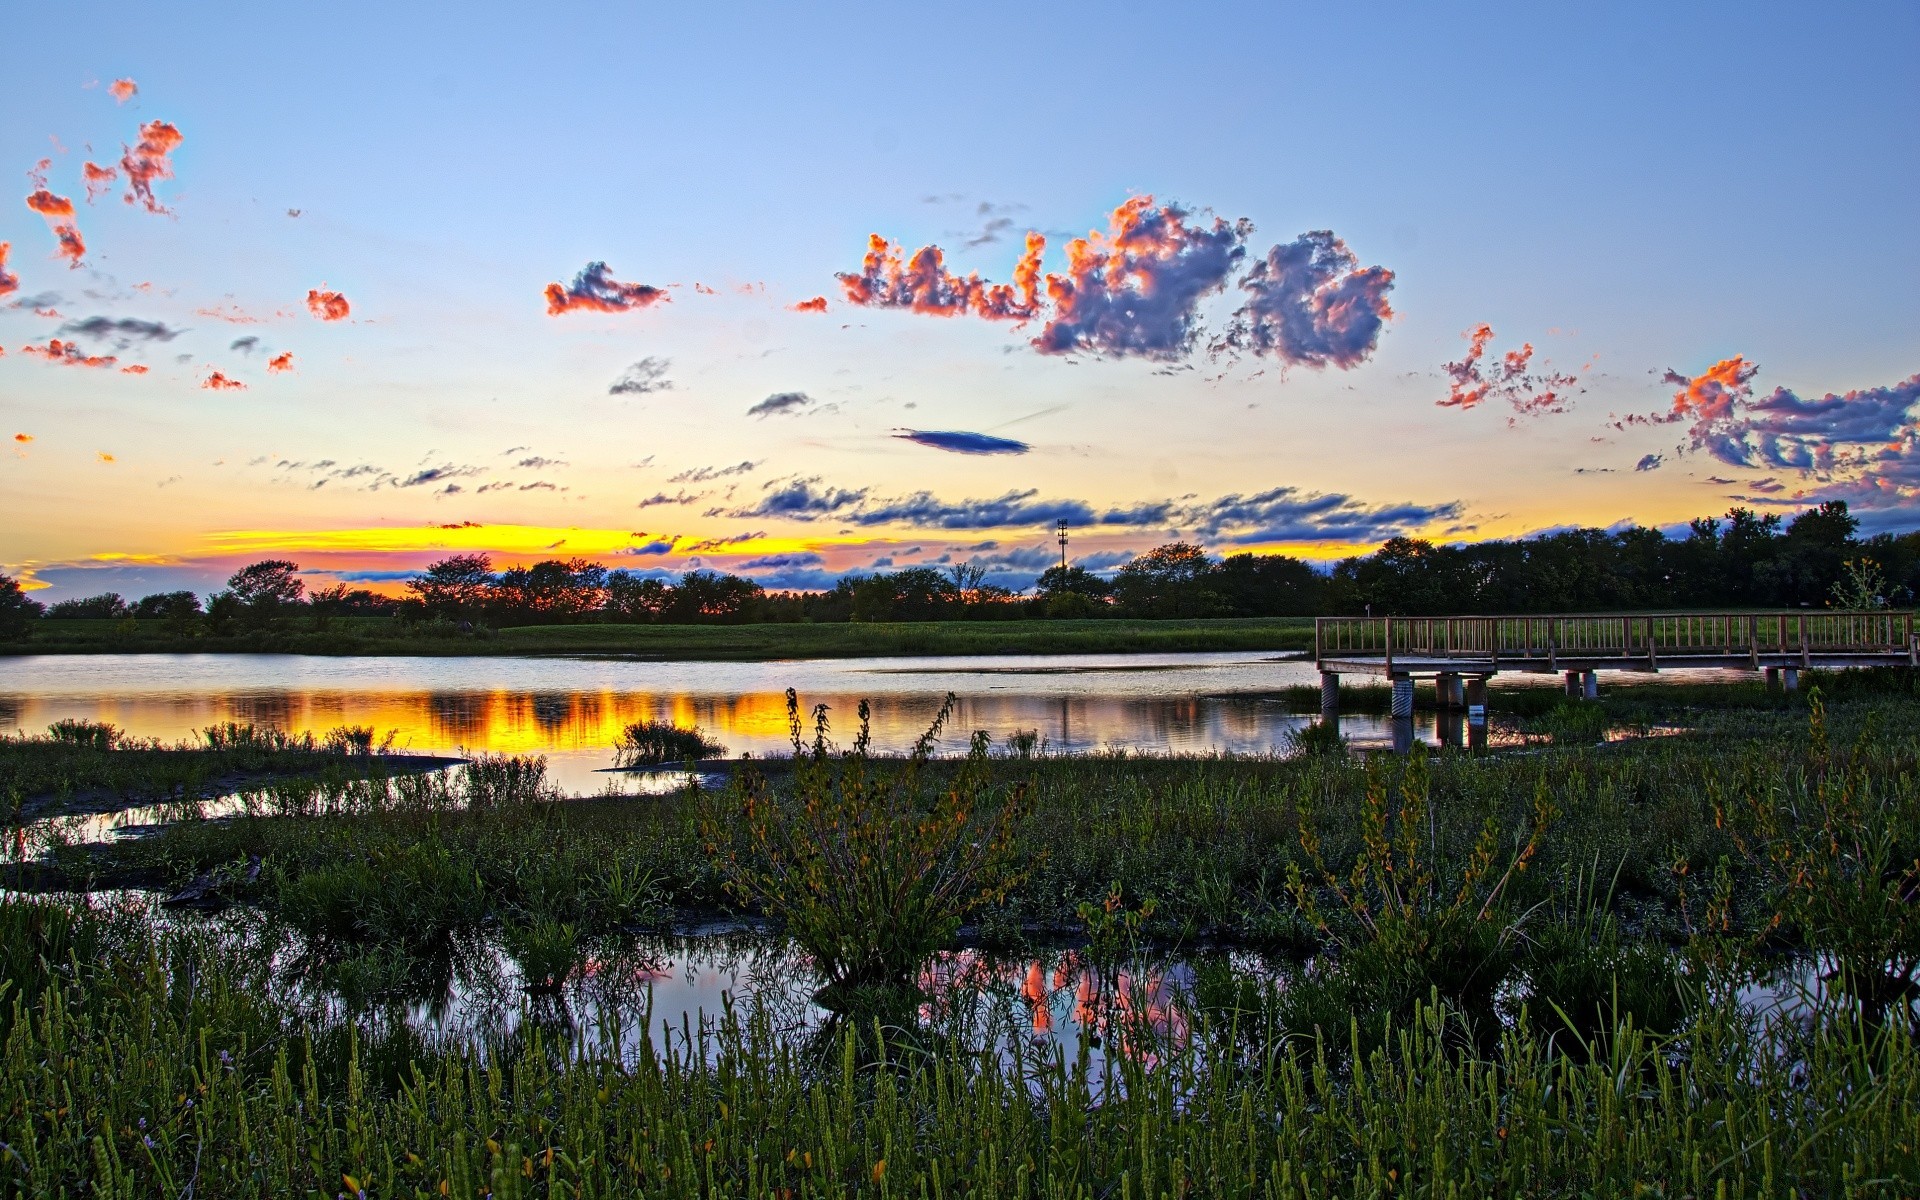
{"x":500,"y":780}
{"x":869,"y":869}
{"x":89,"y":735}
{"x":650,"y":743}
{"x":1409,"y":920}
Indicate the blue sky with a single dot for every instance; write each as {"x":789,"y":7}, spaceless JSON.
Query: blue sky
{"x":1630,"y":189}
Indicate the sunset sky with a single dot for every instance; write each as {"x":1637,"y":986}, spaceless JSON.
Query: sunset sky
{"x":353,"y":249}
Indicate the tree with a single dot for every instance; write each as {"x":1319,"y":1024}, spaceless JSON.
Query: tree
{"x":1058,"y":581}
{"x":632,"y":598}
{"x":17,"y":610}
{"x":267,"y":586}
{"x":713,"y":596}
{"x":1167,"y":581}
{"x":166,"y":605}
{"x":1266,"y":585}
{"x":107,"y":606}
{"x":458,"y":587}
{"x":554,"y":589}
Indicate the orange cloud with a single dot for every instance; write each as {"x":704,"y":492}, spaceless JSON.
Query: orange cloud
{"x":1511,"y":379}
{"x":233,"y":314}
{"x":68,"y":355}
{"x":9,"y":282}
{"x":218,"y":382}
{"x":104,"y":456}
{"x":122,"y":90}
{"x":149,"y":161}
{"x":99,"y":180}
{"x":1712,"y":395}
{"x":328,"y":306}
{"x":816,"y":305}
{"x":58,"y":210}
{"x":704,"y":290}
{"x":23,"y":438}
{"x":594,"y":289}
{"x":134,"y":369}
{"x":923,"y":283}
{"x":280,"y":362}
{"x":1468,"y":389}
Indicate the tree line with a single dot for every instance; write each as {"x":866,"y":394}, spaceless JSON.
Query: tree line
{"x":1744,"y":559}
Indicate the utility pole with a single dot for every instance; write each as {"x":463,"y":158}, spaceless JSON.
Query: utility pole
{"x":1063,"y":545}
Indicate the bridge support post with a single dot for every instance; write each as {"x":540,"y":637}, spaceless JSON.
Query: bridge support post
{"x":1790,"y":678}
{"x":1402,"y":698}
{"x":1329,"y":696}
{"x":1448,"y":693}
{"x":1573,"y":685}
{"x":1590,"y":685}
{"x":1773,"y":679}
{"x":1403,"y":735}
{"x":1477,"y":700}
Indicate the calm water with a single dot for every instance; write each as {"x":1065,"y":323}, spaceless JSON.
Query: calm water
{"x":573,"y":709}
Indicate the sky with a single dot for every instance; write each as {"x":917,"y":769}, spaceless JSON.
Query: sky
{"x":648,"y":284}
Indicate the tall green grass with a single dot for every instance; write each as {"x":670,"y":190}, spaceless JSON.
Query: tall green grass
{"x":162,"y":1070}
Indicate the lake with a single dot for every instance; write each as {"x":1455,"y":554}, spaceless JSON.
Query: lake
{"x":573,"y":709}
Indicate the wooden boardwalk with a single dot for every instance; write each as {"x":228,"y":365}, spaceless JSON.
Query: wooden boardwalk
{"x":1461,"y":653}
{"x":1397,"y":647}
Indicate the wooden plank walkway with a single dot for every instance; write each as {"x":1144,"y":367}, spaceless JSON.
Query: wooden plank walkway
{"x":1409,"y":647}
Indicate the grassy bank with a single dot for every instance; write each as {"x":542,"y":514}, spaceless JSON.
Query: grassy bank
{"x":378,"y":636}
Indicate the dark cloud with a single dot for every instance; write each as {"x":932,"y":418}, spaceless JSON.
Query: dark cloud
{"x":245,"y":345}
{"x":780,"y":402}
{"x":709,"y":474}
{"x":779,"y":562}
{"x":802,"y":499}
{"x":1286,"y":514}
{"x":963,"y":443}
{"x":539,"y":485}
{"x":659,"y":498}
{"x":721,"y":543}
{"x":537,"y":462}
{"x":651,"y":549}
{"x":1135,"y":291}
{"x":436,"y":475}
{"x":1282,"y":514}
{"x":1310,"y":303}
{"x":122,"y":331}
{"x":1648,"y":462}
{"x":647,"y":375}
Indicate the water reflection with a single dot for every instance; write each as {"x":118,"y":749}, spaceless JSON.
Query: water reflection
{"x":573,"y":710}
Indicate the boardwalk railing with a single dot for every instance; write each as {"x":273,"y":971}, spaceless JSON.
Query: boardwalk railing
{"x":1520,"y":642}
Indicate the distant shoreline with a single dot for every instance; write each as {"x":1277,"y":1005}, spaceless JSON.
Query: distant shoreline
{"x":684,"y":643}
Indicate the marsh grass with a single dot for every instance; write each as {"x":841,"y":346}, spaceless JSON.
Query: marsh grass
{"x":654,"y":743}
{"x":869,"y":867}
{"x":160,"y":1067}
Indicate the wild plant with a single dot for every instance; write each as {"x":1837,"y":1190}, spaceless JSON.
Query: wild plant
{"x":1314,"y":739}
{"x":651,"y":743}
{"x":1407,"y":917}
{"x":1840,"y":847}
{"x":501,"y":780}
{"x":869,"y":868}
{"x":88,"y":735}
{"x":358,"y":739}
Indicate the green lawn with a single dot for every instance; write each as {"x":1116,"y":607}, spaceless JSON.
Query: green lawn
{"x":725,"y":642}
